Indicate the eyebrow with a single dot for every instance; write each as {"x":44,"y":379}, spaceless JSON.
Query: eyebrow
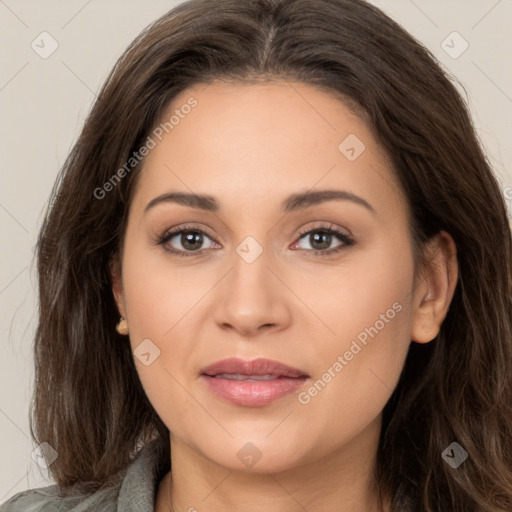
{"x":295,"y":202}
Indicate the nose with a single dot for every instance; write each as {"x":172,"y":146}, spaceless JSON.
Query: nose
{"x":253,"y":299}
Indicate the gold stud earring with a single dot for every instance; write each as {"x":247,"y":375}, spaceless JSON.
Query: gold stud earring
{"x":122,"y":327}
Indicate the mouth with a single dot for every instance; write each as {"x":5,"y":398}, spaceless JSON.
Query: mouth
{"x":252,"y":383}
{"x":248,"y":378}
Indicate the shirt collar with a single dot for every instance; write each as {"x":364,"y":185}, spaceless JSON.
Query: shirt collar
{"x":140,"y":483}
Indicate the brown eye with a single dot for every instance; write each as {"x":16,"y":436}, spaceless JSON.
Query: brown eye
{"x":321,"y":239}
{"x":191,"y":240}
{"x":187,"y":241}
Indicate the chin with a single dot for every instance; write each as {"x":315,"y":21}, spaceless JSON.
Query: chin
{"x":257,"y":454}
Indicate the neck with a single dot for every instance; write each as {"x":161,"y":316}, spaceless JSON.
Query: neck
{"x":341,"y":481}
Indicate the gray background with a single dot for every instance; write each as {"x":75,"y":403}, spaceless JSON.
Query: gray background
{"x":43,"y":104}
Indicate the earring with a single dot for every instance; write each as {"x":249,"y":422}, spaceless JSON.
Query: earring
{"x":122,"y":327}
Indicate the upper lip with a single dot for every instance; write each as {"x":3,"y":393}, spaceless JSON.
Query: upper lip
{"x":260,"y":366}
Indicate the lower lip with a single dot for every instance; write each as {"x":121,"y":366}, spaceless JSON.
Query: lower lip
{"x":252,"y":394}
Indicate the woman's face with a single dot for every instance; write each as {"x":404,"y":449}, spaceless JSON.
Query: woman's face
{"x":244,"y":284}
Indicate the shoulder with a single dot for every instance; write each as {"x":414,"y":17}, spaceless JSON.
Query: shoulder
{"x":25,"y":500}
{"x":47,"y":499}
{"x":134,"y":489}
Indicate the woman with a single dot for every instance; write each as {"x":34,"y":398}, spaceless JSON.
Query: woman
{"x":275,"y":274}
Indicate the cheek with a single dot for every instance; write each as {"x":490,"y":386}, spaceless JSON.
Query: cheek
{"x":365,"y":296}
{"x":159,"y":293}
{"x":159,"y":302}
{"x":356,"y":378}
{"x":369,"y":319}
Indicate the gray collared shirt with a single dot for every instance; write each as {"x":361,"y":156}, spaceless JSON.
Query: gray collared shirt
{"x":134,"y":491}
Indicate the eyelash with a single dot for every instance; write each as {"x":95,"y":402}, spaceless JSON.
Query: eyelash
{"x":347,"y":240}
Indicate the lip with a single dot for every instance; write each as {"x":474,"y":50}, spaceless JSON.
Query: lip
{"x":252,"y":393}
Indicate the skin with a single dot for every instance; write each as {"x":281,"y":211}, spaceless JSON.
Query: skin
{"x":251,"y":146}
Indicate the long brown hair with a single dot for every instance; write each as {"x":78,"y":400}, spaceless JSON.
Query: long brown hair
{"x":88,"y":402}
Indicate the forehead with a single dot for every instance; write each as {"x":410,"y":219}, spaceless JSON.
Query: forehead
{"x":261,"y":142}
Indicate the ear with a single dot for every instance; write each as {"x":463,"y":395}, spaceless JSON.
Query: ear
{"x":435,"y":292}
{"x":117,"y":284}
